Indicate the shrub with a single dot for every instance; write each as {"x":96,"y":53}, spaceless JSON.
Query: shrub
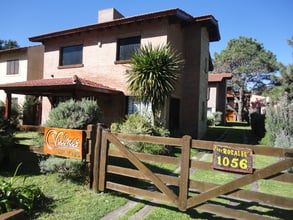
{"x":218,"y":117}
{"x":257,"y":122}
{"x":13,"y":196}
{"x":66,"y":168}
{"x":15,"y":113}
{"x":279,"y":124}
{"x":138,"y":124}
{"x":211,"y":120}
{"x":74,"y":114}
{"x":6,"y":142}
{"x":29,"y":108}
{"x":6,"y":139}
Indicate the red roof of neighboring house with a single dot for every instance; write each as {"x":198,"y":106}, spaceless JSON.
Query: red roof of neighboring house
{"x":219,"y":77}
{"x":208,"y":21}
{"x":55,"y":85}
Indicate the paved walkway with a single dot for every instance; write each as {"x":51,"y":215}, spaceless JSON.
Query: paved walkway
{"x":116,"y":214}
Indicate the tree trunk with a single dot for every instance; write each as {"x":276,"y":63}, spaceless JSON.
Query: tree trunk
{"x":153,"y":115}
{"x":240,"y":105}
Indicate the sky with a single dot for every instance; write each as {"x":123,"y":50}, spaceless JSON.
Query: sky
{"x":269,"y":22}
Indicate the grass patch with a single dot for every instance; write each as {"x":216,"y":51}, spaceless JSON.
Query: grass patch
{"x":276,"y":188}
{"x":162,"y":168}
{"x":27,"y":138}
{"x":213,"y":176}
{"x":261,"y":161}
{"x":160,"y":212}
{"x":72,"y":201}
{"x":233,"y":132}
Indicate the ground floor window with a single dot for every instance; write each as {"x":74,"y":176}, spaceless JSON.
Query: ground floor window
{"x":135,"y":106}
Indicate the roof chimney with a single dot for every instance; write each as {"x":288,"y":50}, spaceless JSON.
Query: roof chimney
{"x":109,"y":14}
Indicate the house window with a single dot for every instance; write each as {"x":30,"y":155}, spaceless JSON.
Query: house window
{"x":71,"y":55}
{"x":126,"y":47}
{"x":14,"y":101}
{"x":12,"y":67}
{"x":135,"y":106}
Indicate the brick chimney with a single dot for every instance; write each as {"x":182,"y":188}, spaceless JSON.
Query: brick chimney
{"x":109,"y":14}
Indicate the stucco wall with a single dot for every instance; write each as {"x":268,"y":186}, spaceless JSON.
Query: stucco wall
{"x":99,"y":53}
{"x":30,"y":67}
{"x":194,"y":82}
{"x":218,"y":99}
{"x":99,"y":56}
{"x":212,"y":98}
{"x":22,"y":73}
{"x":35,"y":62}
{"x":204,"y":67}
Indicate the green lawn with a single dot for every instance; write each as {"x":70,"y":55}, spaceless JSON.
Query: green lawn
{"x":232,"y":132}
{"x":67,"y":200}
{"x":30,"y":138}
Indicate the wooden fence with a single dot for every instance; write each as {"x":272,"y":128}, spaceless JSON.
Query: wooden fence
{"x":117,"y":168}
{"x":112,"y":166}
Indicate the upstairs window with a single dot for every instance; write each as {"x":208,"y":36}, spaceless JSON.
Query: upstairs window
{"x":126,"y":47}
{"x":12,"y":67}
{"x":71,"y":55}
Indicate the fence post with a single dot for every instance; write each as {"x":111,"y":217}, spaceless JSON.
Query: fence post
{"x":184,"y":172}
{"x":96,"y":157}
{"x":91,"y":136}
{"x":103,"y":160}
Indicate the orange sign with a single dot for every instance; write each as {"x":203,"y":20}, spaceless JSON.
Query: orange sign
{"x":63,"y":142}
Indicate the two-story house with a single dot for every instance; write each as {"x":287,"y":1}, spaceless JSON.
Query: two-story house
{"x":20,"y":64}
{"x":92,"y":61}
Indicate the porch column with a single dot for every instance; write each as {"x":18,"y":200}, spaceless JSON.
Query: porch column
{"x":8,"y":106}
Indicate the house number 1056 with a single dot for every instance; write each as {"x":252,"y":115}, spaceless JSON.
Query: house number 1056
{"x":234,"y":159}
{"x":234,"y":162}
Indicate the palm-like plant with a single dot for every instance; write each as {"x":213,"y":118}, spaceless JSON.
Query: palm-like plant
{"x":153,"y":76}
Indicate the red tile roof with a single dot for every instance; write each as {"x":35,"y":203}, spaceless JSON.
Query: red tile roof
{"x":55,"y":84}
{"x":219,"y":77}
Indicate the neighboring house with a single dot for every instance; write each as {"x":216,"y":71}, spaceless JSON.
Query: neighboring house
{"x":258,"y":103}
{"x":217,"y":89}
{"x":93,"y":60}
{"x":20,"y":64}
{"x":232,"y":106}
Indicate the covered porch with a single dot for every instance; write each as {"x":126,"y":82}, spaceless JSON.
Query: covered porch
{"x":60,"y":89}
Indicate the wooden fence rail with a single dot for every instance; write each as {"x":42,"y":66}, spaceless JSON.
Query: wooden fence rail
{"x":133,"y":174}
{"x":112,"y":166}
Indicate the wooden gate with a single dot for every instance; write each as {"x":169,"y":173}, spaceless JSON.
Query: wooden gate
{"x":117,"y":168}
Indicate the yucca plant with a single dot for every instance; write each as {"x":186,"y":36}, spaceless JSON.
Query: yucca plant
{"x":153,"y":75}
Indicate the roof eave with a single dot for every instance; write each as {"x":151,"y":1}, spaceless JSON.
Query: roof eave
{"x":115,"y":23}
{"x":211,"y":23}
{"x":14,"y":50}
{"x":58,"y":84}
{"x":46,"y":90}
